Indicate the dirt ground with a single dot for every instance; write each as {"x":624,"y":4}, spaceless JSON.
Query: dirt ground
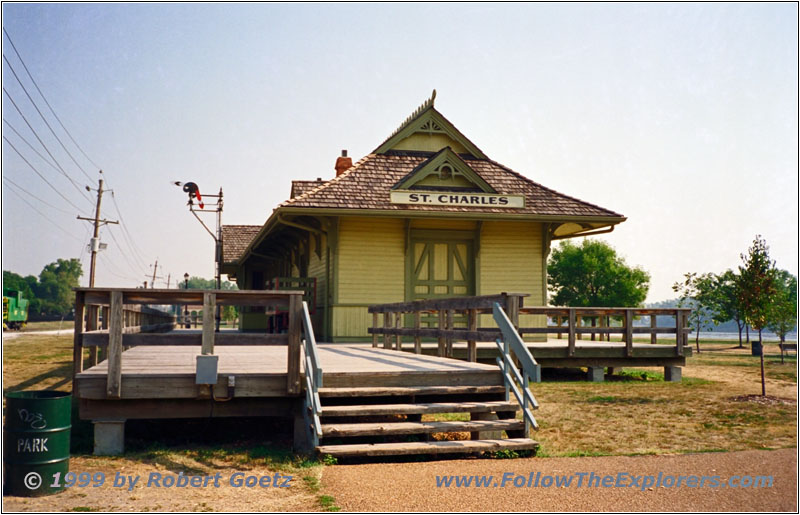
{"x":296,"y":497}
{"x":412,"y":486}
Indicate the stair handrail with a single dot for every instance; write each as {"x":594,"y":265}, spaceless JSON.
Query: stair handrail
{"x":313,"y":374}
{"x":513,"y":379}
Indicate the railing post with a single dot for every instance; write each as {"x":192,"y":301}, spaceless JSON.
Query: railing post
{"x":560,"y":321}
{"x":209,"y":307}
{"x":417,"y":338}
{"x":506,"y":365}
{"x":386,"y":325}
{"x":571,"y":333}
{"x":114,"y":318}
{"x":295,"y":330}
{"x":398,"y":323}
{"x":678,"y":332}
{"x":472,"y":345}
{"x":653,"y":326}
{"x":629,"y":332}
{"x":374,"y":328}
{"x":442,"y":341}
{"x":512,"y":310}
{"x":77,"y":339}
{"x":91,"y":325}
{"x":449,"y":338}
{"x":594,"y":324}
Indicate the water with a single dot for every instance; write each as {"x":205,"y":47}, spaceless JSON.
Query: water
{"x":766,"y":336}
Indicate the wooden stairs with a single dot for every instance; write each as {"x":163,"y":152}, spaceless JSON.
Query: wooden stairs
{"x":387,"y":421}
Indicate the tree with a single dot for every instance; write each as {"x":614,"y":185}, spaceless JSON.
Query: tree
{"x":55,"y":285}
{"x":783,"y":315}
{"x":591,"y":274}
{"x":757,"y":287}
{"x":701,"y":293}
{"x":25,"y":285}
{"x":729,"y":306}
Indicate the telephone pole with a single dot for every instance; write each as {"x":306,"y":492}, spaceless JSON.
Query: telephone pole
{"x":95,"y":242}
{"x":155,"y":270}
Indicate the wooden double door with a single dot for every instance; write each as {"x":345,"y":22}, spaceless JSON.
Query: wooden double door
{"x":440,"y":266}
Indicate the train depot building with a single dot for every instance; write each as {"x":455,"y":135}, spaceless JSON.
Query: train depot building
{"x":425,"y":215}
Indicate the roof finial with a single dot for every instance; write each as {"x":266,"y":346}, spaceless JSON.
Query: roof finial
{"x":433,"y":96}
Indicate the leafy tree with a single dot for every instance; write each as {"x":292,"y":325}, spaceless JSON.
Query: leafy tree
{"x":25,"y":285}
{"x":199,"y":283}
{"x":55,"y":285}
{"x":591,"y":274}
{"x":701,"y":293}
{"x":783,"y":316}
{"x":757,"y":287}
{"x":729,"y":307}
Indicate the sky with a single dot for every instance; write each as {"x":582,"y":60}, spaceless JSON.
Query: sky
{"x":682,"y":117}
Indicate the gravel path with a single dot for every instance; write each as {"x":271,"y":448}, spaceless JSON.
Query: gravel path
{"x":412,"y":486}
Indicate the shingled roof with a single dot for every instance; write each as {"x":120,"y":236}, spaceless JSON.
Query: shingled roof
{"x":367,"y":184}
{"x":301,"y":187}
{"x":235,"y":239}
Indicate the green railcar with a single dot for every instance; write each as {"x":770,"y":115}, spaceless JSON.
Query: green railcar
{"x":15,"y":309}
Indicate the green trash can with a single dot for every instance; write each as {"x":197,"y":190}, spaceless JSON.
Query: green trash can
{"x":755,"y":348}
{"x":36,"y":439}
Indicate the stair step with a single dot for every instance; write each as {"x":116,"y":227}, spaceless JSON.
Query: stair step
{"x":416,"y":409}
{"x":377,"y":391}
{"x":442,"y":447}
{"x":409,"y":428}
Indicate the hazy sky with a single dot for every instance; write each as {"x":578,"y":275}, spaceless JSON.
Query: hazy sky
{"x":682,"y":117}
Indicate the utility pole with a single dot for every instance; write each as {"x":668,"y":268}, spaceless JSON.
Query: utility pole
{"x":95,"y":242}
{"x":169,"y":278}
{"x":155,"y":270}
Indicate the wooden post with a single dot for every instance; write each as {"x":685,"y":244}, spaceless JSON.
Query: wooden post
{"x":678,"y":333}
{"x":114,"y":317}
{"x":417,"y":338}
{"x":77,"y":339}
{"x":560,"y":321}
{"x":628,"y":333}
{"x":91,"y":325}
{"x":594,"y":324}
{"x":442,"y":341}
{"x":579,"y":323}
{"x":295,"y":328}
{"x":386,"y":325}
{"x":449,"y":338}
{"x":398,"y":323}
{"x":512,"y":310}
{"x":571,"y":333}
{"x":209,"y":308}
{"x":472,"y":345}
{"x":374,"y":327}
{"x":653,"y":326}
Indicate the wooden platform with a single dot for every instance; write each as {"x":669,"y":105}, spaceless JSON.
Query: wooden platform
{"x":168,"y":372}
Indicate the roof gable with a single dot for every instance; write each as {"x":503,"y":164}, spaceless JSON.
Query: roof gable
{"x":428,"y":130}
{"x":444,"y":171}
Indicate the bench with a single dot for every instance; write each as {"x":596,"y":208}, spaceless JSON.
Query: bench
{"x":788,"y":346}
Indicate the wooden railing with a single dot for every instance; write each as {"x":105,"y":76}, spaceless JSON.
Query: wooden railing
{"x":513,"y":379}
{"x":446,"y":310}
{"x":570,"y":321}
{"x":313,"y":375}
{"x":600,"y":322}
{"x":126,"y":324}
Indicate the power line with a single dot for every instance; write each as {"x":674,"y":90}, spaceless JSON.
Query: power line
{"x":20,"y":136}
{"x":14,"y":72}
{"x":39,"y":174}
{"x":45,"y":216}
{"x":135,"y":251}
{"x":34,"y":196}
{"x":60,"y":168}
{"x":124,"y":255}
{"x":21,"y":60}
{"x":127,"y":236}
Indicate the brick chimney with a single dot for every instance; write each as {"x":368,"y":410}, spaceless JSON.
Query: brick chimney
{"x":343,"y":163}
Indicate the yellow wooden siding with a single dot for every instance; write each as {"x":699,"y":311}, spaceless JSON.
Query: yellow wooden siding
{"x":433,"y":223}
{"x":429,"y":143}
{"x":316,"y":268}
{"x":371,"y":270}
{"x":511,"y":261}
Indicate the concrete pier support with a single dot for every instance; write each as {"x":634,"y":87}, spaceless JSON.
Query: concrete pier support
{"x":672,"y":374}
{"x":596,"y":374}
{"x":109,"y":437}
